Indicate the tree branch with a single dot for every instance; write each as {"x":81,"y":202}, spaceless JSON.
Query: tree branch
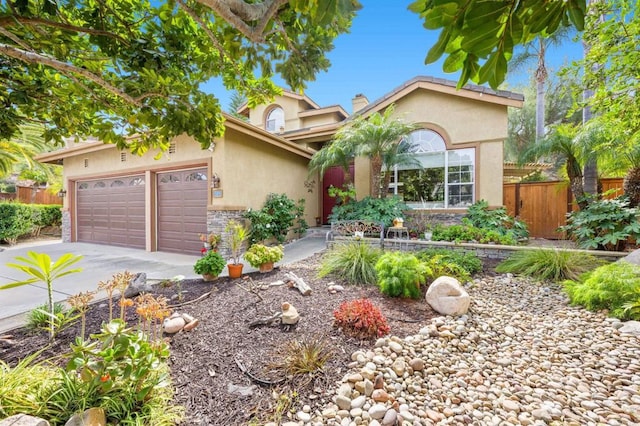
{"x":239,"y":13}
{"x":36,"y":58}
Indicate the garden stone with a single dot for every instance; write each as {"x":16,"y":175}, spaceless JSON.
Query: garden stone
{"x":633,"y":257}
{"x":630,"y":327}
{"x":173,"y":325}
{"x":446,"y":296}
{"x":93,"y":416}
{"x":137,"y":285}
{"x":241,"y":390}
{"x":23,"y":420}
{"x":290,"y":315}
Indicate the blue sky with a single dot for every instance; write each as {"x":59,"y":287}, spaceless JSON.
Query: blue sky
{"x":386,"y":47}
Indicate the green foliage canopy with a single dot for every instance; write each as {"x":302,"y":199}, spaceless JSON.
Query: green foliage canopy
{"x":118,"y":68}
{"x":478,"y":37}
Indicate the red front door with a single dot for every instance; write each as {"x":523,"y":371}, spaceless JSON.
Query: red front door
{"x":332,"y":177}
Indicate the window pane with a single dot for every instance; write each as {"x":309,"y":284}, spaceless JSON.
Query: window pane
{"x":275,"y":120}
{"x":422,"y":188}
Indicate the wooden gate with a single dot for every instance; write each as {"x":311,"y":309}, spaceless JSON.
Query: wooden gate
{"x":543,"y":206}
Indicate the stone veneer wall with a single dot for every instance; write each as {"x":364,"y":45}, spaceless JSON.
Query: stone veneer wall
{"x":66,"y":226}
{"x":216,"y":222}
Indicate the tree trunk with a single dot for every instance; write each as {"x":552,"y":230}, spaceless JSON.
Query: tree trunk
{"x":631,"y":186}
{"x":541,"y":78}
{"x":590,"y":172}
{"x":376,"y":171}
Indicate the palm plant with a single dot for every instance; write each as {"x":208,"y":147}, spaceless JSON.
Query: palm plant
{"x":378,"y":137}
{"x":21,"y":148}
{"x":335,"y":153}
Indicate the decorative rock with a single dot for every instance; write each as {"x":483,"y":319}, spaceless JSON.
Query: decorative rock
{"x":304,"y":417}
{"x":137,"y":285}
{"x":93,"y":416}
{"x":510,"y":405}
{"x":241,"y":390}
{"x":368,"y":387}
{"x":417,"y":364}
{"x":23,"y":420}
{"x":290,"y":315}
{"x":191,"y":325}
{"x":173,"y":325}
{"x":358,"y":402}
{"x":446,"y":296}
{"x":631,"y":327}
{"x":510,"y":331}
{"x":389,"y":418}
{"x":396,"y":347}
{"x":399,"y":367}
{"x":343,"y":402}
{"x":380,"y":395}
{"x":379,"y":382}
{"x":377,"y":411}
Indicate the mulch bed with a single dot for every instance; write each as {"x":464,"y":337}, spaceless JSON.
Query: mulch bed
{"x":204,"y":362}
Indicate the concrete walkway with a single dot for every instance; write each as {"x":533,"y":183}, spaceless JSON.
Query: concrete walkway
{"x":100,"y":263}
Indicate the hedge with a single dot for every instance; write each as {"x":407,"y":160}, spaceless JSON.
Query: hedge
{"x":18,"y":219}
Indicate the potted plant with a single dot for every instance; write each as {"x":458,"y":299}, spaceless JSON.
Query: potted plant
{"x":210,"y":265}
{"x":263,"y":257}
{"x":211,"y":240}
{"x":237,"y":233}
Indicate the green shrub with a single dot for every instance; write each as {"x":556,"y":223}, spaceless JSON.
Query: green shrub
{"x":40,"y":318}
{"x":373,"y":209}
{"x":439,"y":266}
{"x":401,"y":275}
{"x":212,"y":263}
{"x":480,"y":216}
{"x":15,"y":221}
{"x":604,"y":224}
{"x":467,"y":260}
{"x":609,"y":287}
{"x":43,"y":215}
{"x":354,"y":261}
{"x":549,"y":264}
{"x":274,"y":220}
{"x":470,"y":233}
{"x":361,"y":318}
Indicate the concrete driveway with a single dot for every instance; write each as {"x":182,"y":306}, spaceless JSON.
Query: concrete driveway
{"x":99,"y":263}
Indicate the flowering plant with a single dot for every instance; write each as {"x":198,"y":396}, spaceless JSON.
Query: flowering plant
{"x":259,"y":254}
{"x":212,"y":239}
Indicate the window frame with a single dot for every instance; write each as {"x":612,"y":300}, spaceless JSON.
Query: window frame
{"x":268,"y":119}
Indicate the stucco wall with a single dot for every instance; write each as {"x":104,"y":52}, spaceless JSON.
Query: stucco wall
{"x":489,"y":174}
{"x":291,"y":107}
{"x":250,"y":169}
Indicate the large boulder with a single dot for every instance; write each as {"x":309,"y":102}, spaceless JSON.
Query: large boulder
{"x":633,"y":257}
{"x":93,"y":416}
{"x":138,"y":285}
{"x":447,"y":297}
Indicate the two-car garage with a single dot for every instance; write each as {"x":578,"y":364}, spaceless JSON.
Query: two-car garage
{"x":113,"y":210}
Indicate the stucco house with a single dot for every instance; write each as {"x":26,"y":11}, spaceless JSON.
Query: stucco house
{"x":116,"y":198}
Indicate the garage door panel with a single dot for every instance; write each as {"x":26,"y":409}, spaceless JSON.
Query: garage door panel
{"x":110,"y":211}
{"x":182,"y":210}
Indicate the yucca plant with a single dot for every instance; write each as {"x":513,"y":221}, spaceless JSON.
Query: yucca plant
{"x":549,"y":264}
{"x":354,"y":261}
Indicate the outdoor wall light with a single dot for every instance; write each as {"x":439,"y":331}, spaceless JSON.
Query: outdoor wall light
{"x":215,"y":181}
{"x":62,"y":193}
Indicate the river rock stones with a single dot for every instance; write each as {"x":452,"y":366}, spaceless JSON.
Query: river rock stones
{"x":447,"y":297}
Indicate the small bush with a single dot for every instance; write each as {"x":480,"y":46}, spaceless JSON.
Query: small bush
{"x":354,"y":261}
{"x":604,"y":224}
{"x":212,"y":263}
{"x":609,"y":287}
{"x":470,"y":233}
{"x":401,"y":274}
{"x":547,"y":264}
{"x":361,"y":318}
{"x":303,"y":359}
{"x":15,"y":221}
{"x":278,"y":215}
{"x":468,"y":261}
{"x":480,"y":216}
{"x":373,"y":209}
{"x":43,"y":215}
{"x":39,"y":318}
{"x":439,"y":266}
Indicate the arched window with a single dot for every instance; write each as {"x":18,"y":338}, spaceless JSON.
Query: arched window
{"x":440,"y":178}
{"x":275,"y":120}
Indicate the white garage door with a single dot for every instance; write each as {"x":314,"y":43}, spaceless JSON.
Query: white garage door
{"x":111,"y":211}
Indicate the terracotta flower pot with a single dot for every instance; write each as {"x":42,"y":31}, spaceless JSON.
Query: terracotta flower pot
{"x":209,"y":277}
{"x":235,"y":270}
{"x":266,"y":267}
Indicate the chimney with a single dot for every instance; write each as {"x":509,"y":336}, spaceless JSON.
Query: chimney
{"x":359,"y":102}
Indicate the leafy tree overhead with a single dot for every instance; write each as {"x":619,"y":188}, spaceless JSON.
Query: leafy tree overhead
{"x":117,"y":68}
{"x":478,"y":37}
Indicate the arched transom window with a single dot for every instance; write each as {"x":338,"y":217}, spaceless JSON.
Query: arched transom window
{"x":275,"y":120}
{"x":439,"y":178}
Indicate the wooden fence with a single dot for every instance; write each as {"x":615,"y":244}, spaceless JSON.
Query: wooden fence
{"x":543,"y":206}
{"x":31,"y":195}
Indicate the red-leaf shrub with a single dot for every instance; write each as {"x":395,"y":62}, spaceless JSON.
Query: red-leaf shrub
{"x":361,"y":318}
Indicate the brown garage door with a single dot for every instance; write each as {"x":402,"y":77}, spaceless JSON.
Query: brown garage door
{"x":111,"y":211}
{"x":182,"y":210}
